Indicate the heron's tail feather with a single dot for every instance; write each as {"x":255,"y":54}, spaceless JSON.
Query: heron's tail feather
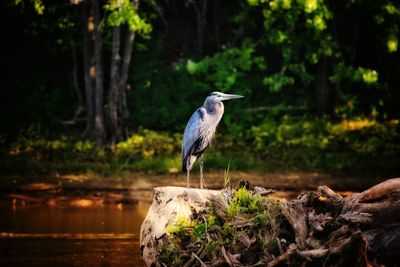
{"x":187,"y":162}
{"x":184,"y":169}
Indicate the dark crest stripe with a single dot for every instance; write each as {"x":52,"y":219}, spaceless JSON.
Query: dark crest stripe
{"x":200,"y":114}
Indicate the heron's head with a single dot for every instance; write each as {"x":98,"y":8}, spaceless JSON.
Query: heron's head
{"x":214,"y":101}
{"x":218,"y":96}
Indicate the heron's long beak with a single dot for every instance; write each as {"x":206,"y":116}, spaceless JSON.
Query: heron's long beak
{"x":229,"y":96}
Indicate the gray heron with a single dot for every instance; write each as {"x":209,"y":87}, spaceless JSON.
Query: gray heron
{"x":200,"y":131}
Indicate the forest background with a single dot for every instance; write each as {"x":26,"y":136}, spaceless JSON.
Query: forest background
{"x":108,"y":86}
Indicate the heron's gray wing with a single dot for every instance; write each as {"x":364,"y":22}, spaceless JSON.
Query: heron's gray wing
{"x":192,"y":144}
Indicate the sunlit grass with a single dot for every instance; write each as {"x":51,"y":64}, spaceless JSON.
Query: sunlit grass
{"x":362,"y":146}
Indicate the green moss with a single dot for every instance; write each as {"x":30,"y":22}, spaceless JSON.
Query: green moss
{"x":245,"y":201}
{"x":200,"y":228}
{"x":170,"y":253}
{"x":272,"y":246}
{"x":181,"y":227}
{"x":229,"y":232}
{"x":262,"y":219}
{"x":248,"y":214}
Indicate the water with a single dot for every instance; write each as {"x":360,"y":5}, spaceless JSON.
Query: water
{"x":69,"y":223}
{"x":70,"y":236}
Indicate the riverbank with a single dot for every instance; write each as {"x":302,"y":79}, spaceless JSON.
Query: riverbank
{"x":90,"y":189}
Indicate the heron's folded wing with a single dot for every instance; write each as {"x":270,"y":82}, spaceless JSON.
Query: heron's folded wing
{"x":192,"y":132}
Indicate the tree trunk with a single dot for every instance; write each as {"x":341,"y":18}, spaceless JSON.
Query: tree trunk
{"x":75,"y":76}
{"x":114,"y":87}
{"x":355,"y":29}
{"x":99,"y":91}
{"x":216,"y":25}
{"x":201,"y":23}
{"x":126,"y":61}
{"x":322,"y":89}
{"x":89,"y":70}
{"x":76,"y":86}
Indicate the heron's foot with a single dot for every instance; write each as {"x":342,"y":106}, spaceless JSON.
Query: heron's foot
{"x":202,"y":183}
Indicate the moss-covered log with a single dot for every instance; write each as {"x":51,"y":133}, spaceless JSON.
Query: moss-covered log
{"x":243,"y":227}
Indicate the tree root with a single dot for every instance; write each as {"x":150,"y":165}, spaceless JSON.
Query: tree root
{"x":318,"y":228}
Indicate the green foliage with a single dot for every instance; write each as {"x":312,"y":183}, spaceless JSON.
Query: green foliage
{"x":171,"y":253}
{"x":38,"y":5}
{"x":243,"y":202}
{"x":33,"y":144}
{"x":143,"y":151}
{"x":247,"y":202}
{"x":344,"y":146}
{"x":182,"y":227}
{"x":229,"y":233}
{"x":125,"y":12}
{"x":392,"y":43}
{"x":148,"y":144}
{"x":277,"y":82}
{"x":302,"y":35}
{"x":288,"y":143}
{"x":271,"y":51}
{"x":368,"y":76}
{"x":201,"y":228}
{"x":387,"y":16}
{"x":227,"y":179}
{"x":224,"y":69}
{"x":297,"y":30}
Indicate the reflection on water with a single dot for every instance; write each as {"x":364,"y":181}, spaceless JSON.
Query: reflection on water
{"x":50,"y":229}
{"x":68,"y":236}
{"x":46,"y":219}
{"x":74,"y":235}
{"x":59,"y":252}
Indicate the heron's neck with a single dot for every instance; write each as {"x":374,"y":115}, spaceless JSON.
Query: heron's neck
{"x":215,"y":108}
{"x":219,"y":109}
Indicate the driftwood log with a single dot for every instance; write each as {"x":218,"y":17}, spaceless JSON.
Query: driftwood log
{"x":362,"y":229}
{"x":169,"y":204}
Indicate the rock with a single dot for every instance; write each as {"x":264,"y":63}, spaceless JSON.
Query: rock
{"x":170,"y":203}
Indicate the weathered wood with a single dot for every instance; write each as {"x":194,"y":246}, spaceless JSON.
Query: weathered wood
{"x":296,"y":213}
{"x":324,"y":228}
{"x":169,"y":204}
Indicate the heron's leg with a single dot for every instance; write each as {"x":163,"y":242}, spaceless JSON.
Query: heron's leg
{"x":201,"y":172}
{"x":187,"y":178}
